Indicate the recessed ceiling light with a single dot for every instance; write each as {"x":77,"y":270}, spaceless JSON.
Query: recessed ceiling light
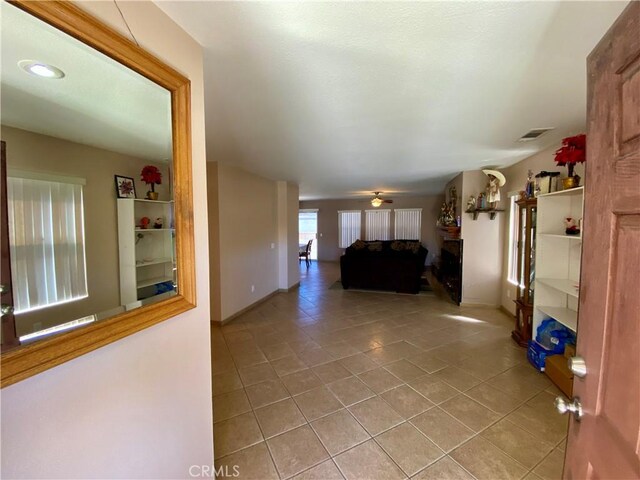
{"x":40,"y":69}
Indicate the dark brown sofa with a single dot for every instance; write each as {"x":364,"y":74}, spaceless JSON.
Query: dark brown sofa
{"x":394,"y":265}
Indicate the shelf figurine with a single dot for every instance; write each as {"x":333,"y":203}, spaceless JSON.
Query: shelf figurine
{"x":530,"y":185}
{"x":144,"y":222}
{"x":496,"y":180}
{"x":471,"y":204}
{"x":158,"y":223}
{"x":571,"y":226}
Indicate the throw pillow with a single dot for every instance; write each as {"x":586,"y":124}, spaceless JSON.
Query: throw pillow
{"x":413,"y":246}
{"x":398,"y":246}
{"x":375,"y":246}
{"x":358,"y":245}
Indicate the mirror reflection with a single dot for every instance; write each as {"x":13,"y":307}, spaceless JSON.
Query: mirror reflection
{"x":87,"y":172}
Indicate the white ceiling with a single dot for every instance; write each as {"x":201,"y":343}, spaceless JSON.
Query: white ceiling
{"x":99,"y":102}
{"x":346,"y":98}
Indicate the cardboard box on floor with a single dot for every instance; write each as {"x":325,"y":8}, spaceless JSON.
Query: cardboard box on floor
{"x":558,"y":372}
{"x":569,"y":350}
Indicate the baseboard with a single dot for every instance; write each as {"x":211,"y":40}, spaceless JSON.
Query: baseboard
{"x":293,"y":287}
{"x":247,"y":308}
{"x":506,"y":311}
{"x":479,"y":305}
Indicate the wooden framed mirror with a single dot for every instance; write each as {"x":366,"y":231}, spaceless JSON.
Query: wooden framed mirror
{"x":28,"y":359}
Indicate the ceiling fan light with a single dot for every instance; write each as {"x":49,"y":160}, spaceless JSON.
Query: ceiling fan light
{"x":376,"y":202}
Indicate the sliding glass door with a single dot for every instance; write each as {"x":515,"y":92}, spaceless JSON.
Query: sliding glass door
{"x":308,"y":230}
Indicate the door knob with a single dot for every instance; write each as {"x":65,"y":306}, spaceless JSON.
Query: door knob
{"x":574,"y":407}
{"x":578,"y":366}
{"x":6,"y":310}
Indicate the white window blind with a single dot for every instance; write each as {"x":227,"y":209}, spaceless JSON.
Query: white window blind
{"x":349,"y":227}
{"x":408,"y":223}
{"x":46,"y":237}
{"x":378,"y":225}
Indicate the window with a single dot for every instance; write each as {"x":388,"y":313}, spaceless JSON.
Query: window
{"x":513,"y":239}
{"x":349,"y":227}
{"x":46,"y":237}
{"x":378,"y":225}
{"x":408,"y":222}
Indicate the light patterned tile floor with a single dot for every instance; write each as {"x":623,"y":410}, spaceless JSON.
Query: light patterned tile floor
{"x":324,"y":383}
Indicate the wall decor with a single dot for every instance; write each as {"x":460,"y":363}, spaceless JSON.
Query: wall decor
{"x":125,"y":187}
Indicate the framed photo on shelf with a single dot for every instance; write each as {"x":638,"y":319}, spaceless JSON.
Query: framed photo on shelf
{"x":125,"y":187}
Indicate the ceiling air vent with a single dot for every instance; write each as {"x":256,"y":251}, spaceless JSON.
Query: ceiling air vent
{"x":534,"y":134}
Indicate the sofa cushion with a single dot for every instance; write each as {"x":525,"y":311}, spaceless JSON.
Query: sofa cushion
{"x":375,"y":246}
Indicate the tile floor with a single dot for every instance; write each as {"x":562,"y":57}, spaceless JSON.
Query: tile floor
{"x":329,"y":384}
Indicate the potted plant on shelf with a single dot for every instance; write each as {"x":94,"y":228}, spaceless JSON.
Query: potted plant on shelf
{"x":151,"y":176}
{"x":573,"y":150}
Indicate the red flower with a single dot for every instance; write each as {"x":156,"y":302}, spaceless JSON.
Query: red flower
{"x":151,"y":175}
{"x":573,"y":150}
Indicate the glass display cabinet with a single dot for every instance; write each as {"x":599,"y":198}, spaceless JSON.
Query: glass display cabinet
{"x":527,"y":209}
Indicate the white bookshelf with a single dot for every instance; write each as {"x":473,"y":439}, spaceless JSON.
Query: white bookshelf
{"x":147,"y":256}
{"x":558,"y":257}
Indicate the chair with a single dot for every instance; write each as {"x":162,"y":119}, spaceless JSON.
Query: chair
{"x":305,"y":253}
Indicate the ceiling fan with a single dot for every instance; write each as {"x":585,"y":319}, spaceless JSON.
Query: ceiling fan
{"x":376,"y":201}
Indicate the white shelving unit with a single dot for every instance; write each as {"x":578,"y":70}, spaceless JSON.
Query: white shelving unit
{"x":558,"y":256}
{"x":147,"y":256}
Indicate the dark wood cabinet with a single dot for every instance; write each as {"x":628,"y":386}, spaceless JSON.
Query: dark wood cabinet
{"x":526,"y":231}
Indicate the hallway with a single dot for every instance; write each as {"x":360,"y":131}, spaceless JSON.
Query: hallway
{"x":325,"y":383}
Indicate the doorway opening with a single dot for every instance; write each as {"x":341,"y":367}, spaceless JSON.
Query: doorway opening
{"x":308,"y":230}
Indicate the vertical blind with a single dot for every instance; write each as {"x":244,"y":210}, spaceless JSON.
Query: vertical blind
{"x":46,"y":237}
{"x":378,"y":224}
{"x":408,"y":223}
{"x":349,"y":227}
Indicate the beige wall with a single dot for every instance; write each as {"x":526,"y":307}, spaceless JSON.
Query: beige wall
{"x":214,"y":241}
{"x":288,"y":271}
{"x":482,"y":248}
{"x":516,"y":176}
{"x":40,"y":153}
{"x":253,"y":238}
{"x":248,"y":231}
{"x":140,"y":407}
{"x":328,"y":249}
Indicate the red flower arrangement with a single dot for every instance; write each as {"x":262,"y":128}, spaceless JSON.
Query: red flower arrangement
{"x":151,"y":176}
{"x":573,"y":150}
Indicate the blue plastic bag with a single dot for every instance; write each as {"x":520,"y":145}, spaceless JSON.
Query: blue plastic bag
{"x":553,"y":336}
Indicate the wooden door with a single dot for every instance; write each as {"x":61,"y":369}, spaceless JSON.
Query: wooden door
{"x":9,"y":338}
{"x":605,"y":444}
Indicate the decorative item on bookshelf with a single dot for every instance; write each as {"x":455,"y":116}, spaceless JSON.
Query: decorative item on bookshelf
{"x":151,"y":176}
{"x":546,"y":182}
{"x":571,"y":226}
{"x":573,"y":151}
{"x":144,"y":222}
